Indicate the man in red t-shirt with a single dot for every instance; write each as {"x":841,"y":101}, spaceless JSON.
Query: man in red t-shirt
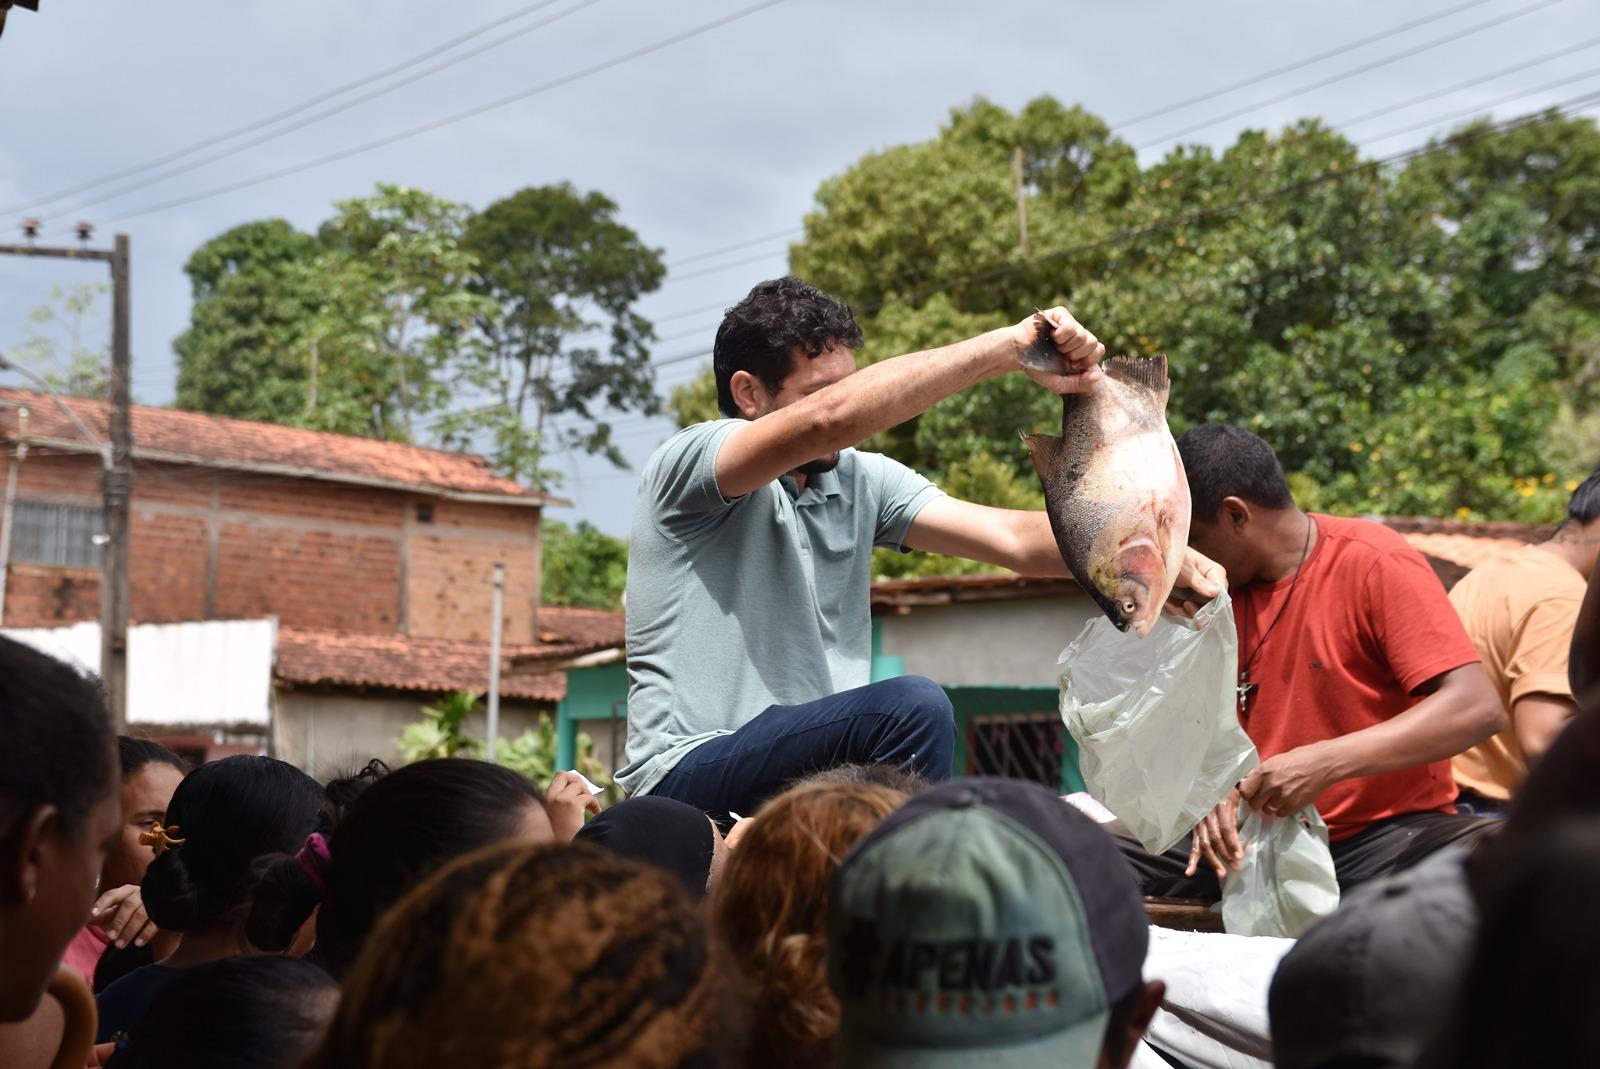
{"x":1357,"y":682}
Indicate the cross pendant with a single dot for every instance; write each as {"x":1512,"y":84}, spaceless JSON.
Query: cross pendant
{"x":1245,"y":689}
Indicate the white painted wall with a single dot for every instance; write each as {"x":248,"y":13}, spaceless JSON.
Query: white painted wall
{"x":333,"y":734}
{"x":987,"y":643}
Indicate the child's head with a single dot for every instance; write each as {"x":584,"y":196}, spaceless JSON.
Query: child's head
{"x":253,"y":1011}
{"x":398,"y":831}
{"x":537,"y":956}
{"x":150,"y":775}
{"x":222,"y":817}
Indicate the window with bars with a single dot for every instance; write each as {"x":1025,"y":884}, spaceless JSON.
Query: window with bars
{"x":62,"y":535}
{"x":1019,"y":745}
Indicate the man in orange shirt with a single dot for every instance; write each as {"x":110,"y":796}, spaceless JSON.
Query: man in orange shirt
{"x":1357,"y":683}
{"x":1519,"y":610}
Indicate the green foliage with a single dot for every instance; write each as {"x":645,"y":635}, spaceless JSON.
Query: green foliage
{"x":695,"y":401}
{"x":1424,"y":341}
{"x":584,"y":567}
{"x":557,"y":268}
{"x":442,"y":733}
{"x":419,"y":320}
{"x":67,"y":341}
{"x":442,"y":730}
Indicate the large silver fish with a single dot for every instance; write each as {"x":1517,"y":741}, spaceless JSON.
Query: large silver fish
{"x":1114,"y":486}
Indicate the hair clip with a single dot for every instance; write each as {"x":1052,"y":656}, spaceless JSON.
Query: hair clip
{"x":160,"y":839}
{"x":314,"y":859}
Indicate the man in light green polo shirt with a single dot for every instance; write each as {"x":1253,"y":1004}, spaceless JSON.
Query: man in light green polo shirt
{"x":749,"y":565}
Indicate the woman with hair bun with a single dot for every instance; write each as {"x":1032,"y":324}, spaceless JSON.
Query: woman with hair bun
{"x":770,"y":905}
{"x":223,"y":816}
{"x":402,"y":828}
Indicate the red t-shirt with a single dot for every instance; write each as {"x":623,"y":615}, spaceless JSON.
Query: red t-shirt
{"x":1367,"y":625}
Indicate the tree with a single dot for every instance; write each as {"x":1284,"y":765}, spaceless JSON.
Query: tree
{"x":67,"y":343}
{"x":1395,"y":335}
{"x":586,"y":567}
{"x":400,"y":299}
{"x":559,"y":269}
{"x":406,"y":316}
{"x":246,"y":352}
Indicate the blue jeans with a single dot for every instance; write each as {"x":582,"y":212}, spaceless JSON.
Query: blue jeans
{"x":907,"y":722}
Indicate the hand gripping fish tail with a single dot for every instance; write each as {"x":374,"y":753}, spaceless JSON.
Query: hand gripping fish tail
{"x":1043,"y":355}
{"x":1114,"y":487}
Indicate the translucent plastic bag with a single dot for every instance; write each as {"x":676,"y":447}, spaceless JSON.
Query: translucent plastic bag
{"x":1287,"y":879}
{"x":1155,"y":719}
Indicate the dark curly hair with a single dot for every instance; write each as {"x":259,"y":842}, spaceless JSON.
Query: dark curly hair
{"x":761,"y":333}
{"x":539,"y":956}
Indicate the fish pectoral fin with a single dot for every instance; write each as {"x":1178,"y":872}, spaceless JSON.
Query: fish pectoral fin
{"x":1043,"y":448}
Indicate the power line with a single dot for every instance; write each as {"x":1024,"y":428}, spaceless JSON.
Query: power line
{"x":467,"y":113}
{"x":1352,"y":72}
{"x":1224,"y":90}
{"x":327,"y":113}
{"x":309,"y":102}
{"x":746,"y":262}
{"x":1288,"y":68}
{"x":1515,"y":68}
{"x":1480,"y":108}
{"x":787,"y":232}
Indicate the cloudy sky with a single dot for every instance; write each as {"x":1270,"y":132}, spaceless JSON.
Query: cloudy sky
{"x":716,"y":139}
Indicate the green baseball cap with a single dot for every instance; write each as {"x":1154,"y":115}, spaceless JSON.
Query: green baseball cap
{"x":985,"y":918}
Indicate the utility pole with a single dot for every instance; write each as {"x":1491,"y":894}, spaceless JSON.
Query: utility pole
{"x":116,"y":474}
{"x":311,"y":397}
{"x":494,"y":658}
{"x":116,"y":483}
{"x":1022,"y":201}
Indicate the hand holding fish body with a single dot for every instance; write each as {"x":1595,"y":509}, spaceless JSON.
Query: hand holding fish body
{"x":1114,"y":486}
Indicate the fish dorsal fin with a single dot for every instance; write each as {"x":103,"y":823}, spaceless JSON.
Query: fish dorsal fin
{"x":1143,"y":372}
{"x":1043,"y":448}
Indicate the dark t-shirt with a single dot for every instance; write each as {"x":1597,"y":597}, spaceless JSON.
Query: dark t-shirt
{"x":123,"y":1004}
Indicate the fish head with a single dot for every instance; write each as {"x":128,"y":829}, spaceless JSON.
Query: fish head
{"x":1132,"y":585}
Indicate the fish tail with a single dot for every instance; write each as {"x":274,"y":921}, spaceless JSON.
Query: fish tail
{"x":1043,"y":355}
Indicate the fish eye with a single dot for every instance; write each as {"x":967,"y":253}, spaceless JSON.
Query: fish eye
{"x":1128,"y":606}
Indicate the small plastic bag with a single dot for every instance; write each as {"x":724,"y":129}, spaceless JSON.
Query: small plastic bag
{"x":1156,"y":719}
{"x":1286,"y":880}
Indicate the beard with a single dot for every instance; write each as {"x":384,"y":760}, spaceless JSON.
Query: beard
{"x":820,"y":465}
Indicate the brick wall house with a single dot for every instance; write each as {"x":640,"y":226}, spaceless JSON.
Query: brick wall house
{"x":375,"y":557}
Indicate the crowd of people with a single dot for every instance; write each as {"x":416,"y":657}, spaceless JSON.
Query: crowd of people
{"x":441,"y":914}
{"x":866,"y":911}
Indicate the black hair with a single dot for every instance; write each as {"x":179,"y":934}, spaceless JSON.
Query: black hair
{"x":245,"y":1012}
{"x":133,"y":754}
{"x":1584,"y":505}
{"x":399,"y":831}
{"x":761,"y":333}
{"x":228,"y":813}
{"x":1222,"y":460}
{"x":57,"y":735}
{"x":1538,"y":931}
{"x":285,"y":893}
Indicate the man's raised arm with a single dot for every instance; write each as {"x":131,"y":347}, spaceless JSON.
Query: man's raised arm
{"x":859,"y":405}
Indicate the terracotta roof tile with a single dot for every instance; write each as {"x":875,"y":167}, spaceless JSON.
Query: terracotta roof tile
{"x":314,"y":657}
{"x":578,"y":631}
{"x":198,"y":438}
